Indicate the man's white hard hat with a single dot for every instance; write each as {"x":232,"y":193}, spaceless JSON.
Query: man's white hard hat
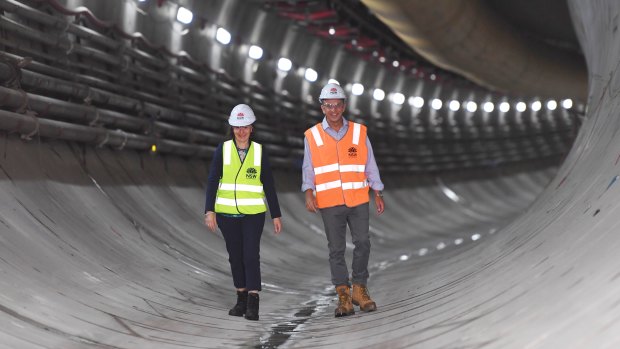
{"x":241,"y":115}
{"x":332,"y":91}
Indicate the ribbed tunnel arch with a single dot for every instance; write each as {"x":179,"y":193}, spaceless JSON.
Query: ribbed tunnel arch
{"x":470,"y":38}
{"x":500,"y":225}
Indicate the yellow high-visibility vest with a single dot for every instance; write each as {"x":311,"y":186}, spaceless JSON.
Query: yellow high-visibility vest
{"x":240,"y":190}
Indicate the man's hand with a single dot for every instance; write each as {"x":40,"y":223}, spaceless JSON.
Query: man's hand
{"x":380,"y":204}
{"x":311,"y":204}
{"x":210,"y":221}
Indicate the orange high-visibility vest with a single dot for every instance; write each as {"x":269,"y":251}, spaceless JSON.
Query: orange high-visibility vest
{"x":339,"y":166}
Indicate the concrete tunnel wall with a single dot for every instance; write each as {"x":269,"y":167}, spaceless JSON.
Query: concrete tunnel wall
{"x":106,"y":249}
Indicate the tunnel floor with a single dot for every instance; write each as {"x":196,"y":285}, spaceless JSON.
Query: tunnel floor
{"x":106,"y":249}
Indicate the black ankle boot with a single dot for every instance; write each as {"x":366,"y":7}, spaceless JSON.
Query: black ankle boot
{"x":251,"y":312}
{"x":242,"y":301}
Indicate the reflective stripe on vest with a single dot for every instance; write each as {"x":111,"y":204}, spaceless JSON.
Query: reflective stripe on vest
{"x":240,"y":189}
{"x":329,"y":185}
{"x":319,"y":141}
{"x":356,"y":133}
{"x":339,"y":166}
{"x":339,"y":185}
{"x":327,"y":168}
{"x":239,"y":202}
{"x":316,"y":135}
{"x":227,"y":149}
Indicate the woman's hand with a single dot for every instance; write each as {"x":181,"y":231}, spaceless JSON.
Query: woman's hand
{"x":210,"y":221}
{"x":277,"y":225}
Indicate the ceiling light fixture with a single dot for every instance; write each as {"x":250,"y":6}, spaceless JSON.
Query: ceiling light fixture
{"x":255,"y":52}
{"x":471,"y":106}
{"x":285,"y":64}
{"x":398,"y":98}
{"x":184,"y":15}
{"x":222,"y":36}
{"x":357,"y":89}
{"x":454,"y":105}
{"x":378,"y":94}
{"x":567,"y":103}
{"x":311,"y":75}
{"x":416,"y":102}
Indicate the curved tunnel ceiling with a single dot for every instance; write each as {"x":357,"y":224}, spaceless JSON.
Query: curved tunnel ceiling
{"x":102,"y":244}
{"x":451,"y":129}
{"x":469,"y":38}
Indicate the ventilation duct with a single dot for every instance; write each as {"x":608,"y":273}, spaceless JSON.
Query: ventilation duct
{"x":467,"y":37}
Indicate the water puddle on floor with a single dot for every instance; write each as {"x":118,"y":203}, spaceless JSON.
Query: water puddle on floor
{"x":281,"y":332}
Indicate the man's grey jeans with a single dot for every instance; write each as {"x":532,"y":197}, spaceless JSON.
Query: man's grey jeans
{"x":335,"y":220}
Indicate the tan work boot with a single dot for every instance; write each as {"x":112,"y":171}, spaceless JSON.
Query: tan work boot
{"x":344,"y":307}
{"x":362,"y":299}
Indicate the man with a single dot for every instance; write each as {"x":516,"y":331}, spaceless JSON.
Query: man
{"x":338,"y":168}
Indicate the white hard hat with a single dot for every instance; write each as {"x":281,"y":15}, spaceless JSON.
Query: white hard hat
{"x":332,"y":91}
{"x":241,"y":115}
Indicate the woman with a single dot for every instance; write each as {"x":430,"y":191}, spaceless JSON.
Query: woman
{"x":239,"y":178}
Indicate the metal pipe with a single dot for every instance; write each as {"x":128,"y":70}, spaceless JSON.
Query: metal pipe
{"x":66,"y":111}
{"x":222,"y":80}
{"x":41,"y":17}
{"x":121,"y":64}
{"x":29,"y":126}
{"x":7,"y":72}
{"x":147,"y":101}
{"x":71,"y":89}
{"x":186,"y":111}
{"x":93,"y":116}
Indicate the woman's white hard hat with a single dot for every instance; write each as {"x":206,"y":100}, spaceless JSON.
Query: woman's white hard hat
{"x":241,"y":115}
{"x":332,"y":91}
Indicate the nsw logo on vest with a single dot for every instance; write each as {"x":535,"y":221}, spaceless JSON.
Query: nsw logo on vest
{"x":352,"y":152}
{"x":251,"y":173}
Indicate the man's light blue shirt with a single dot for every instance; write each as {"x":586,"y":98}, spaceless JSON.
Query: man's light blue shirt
{"x":371,"y":171}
